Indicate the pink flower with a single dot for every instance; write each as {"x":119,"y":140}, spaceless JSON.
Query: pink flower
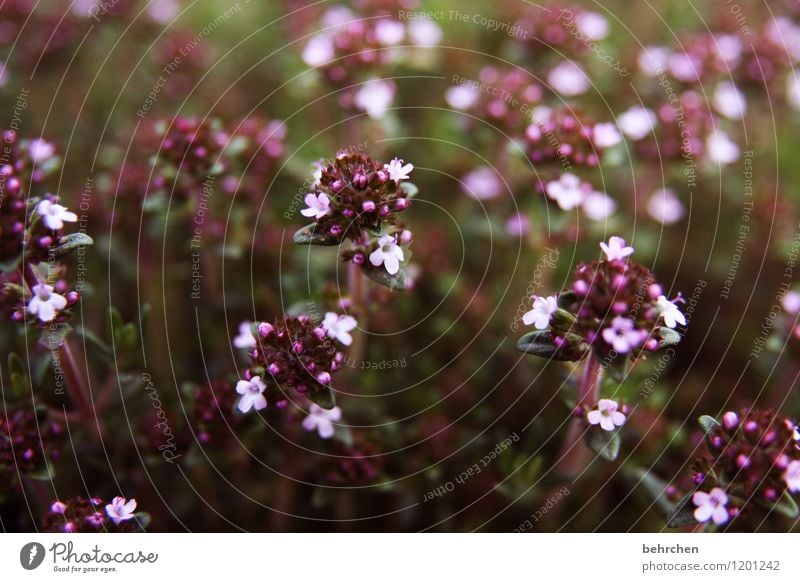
{"x":245,"y":340}
{"x":375,"y":97}
{"x":711,"y":506}
{"x":461,"y":97}
{"x":665,"y":207}
{"x":322,"y":420}
{"x":542,"y":312}
{"x":567,"y":191}
{"x":791,"y":302}
{"x":45,"y":304}
{"x":598,"y":205}
{"x":388,"y":254}
{"x":252,"y":392}
{"x":319,"y":50}
{"x":339,"y":327}
{"x":616,"y":249}
{"x":54,"y":215}
{"x":120,"y":510}
{"x":518,"y":225}
{"x":729,"y":101}
{"x":606,"y":415}
{"x":637,"y":122}
{"x":397,"y":170}
{"x":605,"y":135}
{"x":721,"y":148}
{"x":318,"y":205}
{"x":593,"y":25}
{"x":482,"y":183}
{"x":623,"y":335}
{"x":792,"y":476}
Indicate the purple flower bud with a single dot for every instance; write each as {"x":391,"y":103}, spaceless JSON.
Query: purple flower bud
{"x":319,"y":332}
{"x":580,"y":287}
{"x":72,"y":297}
{"x":770,"y":494}
{"x":730,"y":419}
{"x":58,"y":507}
{"x":382,"y":176}
{"x":405,"y":237}
{"x":348,"y":212}
{"x":323,"y":378}
{"x":384,"y":210}
{"x":264,"y":329}
{"x":751,"y":426}
{"x":368,"y":206}
{"x":301,"y":388}
{"x":359,"y":258}
{"x":620,"y":307}
{"x":338,"y":358}
{"x":274,"y":369}
{"x":400,"y":204}
{"x":698,"y":478}
{"x":654,"y":290}
{"x":742,"y":462}
{"x":44,"y":241}
{"x":769,"y":438}
{"x":70,"y":527}
{"x":651,"y":344}
{"x":782,"y":461}
{"x":297,"y":347}
{"x":282,"y":404}
{"x":337,"y":185}
{"x":716,"y":442}
{"x":360,"y":181}
{"x":335,"y":230}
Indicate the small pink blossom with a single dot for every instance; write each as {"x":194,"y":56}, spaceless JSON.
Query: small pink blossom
{"x":711,"y":506}
{"x":623,"y":336}
{"x":606,"y":415}
{"x":397,"y":170}
{"x":319,"y":205}
{"x":322,"y":420}
{"x":616,"y":249}
{"x":252,"y":392}
{"x":120,"y":509}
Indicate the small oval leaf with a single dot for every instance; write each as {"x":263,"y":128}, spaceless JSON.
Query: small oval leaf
{"x":312,"y":235}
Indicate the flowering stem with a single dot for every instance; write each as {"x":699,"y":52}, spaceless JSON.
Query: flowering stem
{"x":75,"y":385}
{"x":572,"y":455}
{"x":357,"y":289}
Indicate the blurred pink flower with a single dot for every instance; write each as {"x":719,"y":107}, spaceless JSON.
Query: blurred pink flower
{"x":322,"y":420}
{"x":375,"y":97}
{"x":665,"y":207}
{"x":637,"y":122}
{"x":482,"y":183}
{"x":568,"y":79}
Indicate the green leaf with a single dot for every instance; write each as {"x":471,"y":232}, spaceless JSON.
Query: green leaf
{"x":46,"y":473}
{"x":708,"y":422}
{"x":566,"y":298}
{"x":323,"y":396}
{"x":540,"y":343}
{"x":396,"y":282}
{"x":312,"y":235}
{"x":410,"y":189}
{"x":53,"y":337}
{"x":683,"y":514}
{"x":142,"y":518}
{"x":669,"y":337}
{"x":787,"y":506}
{"x":93,"y":339}
{"x":603,"y":442}
{"x":72,"y":242}
{"x":20,"y":385}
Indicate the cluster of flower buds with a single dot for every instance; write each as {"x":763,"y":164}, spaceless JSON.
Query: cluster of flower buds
{"x":213,"y":418}
{"x":614,"y":307}
{"x":569,"y":137}
{"x":501,"y":97}
{"x":293,"y":353}
{"x":28,"y":441}
{"x":352,"y":465}
{"x":358,"y":198}
{"x":560,"y":28}
{"x":755,"y":459}
{"x":79,"y":515}
{"x":24,"y":164}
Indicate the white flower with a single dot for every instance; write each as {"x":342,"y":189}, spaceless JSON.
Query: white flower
{"x":398,"y":171}
{"x":637,"y":122}
{"x":593,"y":25}
{"x":482,"y":183}
{"x":252,"y":392}
{"x":339,"y":327}
{"x":389,"y":32}
{"x":670,"y":312}
{"x":424,"y":33}
{"x":40,"y":150}
{"x":120,"y":510}
{"x":462,"y":97}
{"x":375,"y":97}
{"x":245,"y":340}
{"x":568,"y":79}
{"x":599,"y":205}
{"x":322,"y":420}
{"x":665,"y":207}
{"x":319,"y":50}
{"x":616,"y":249}
{"x":566,"y":191}
{"x":605,"y":135}
{"x":623,"y":335}
{"x":318,"y":205}
{"x":711,"y":506}
{"x":542,"y":312}
{"x":389,"y":254}
{"x":729,"y":101}
{"x":792,"y":476}
{"x":45,"y":304}
{"x":721,"y":148}
{"x":652,"y":58}
{"x":606,"y":415}
{"x":54,"y":215}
